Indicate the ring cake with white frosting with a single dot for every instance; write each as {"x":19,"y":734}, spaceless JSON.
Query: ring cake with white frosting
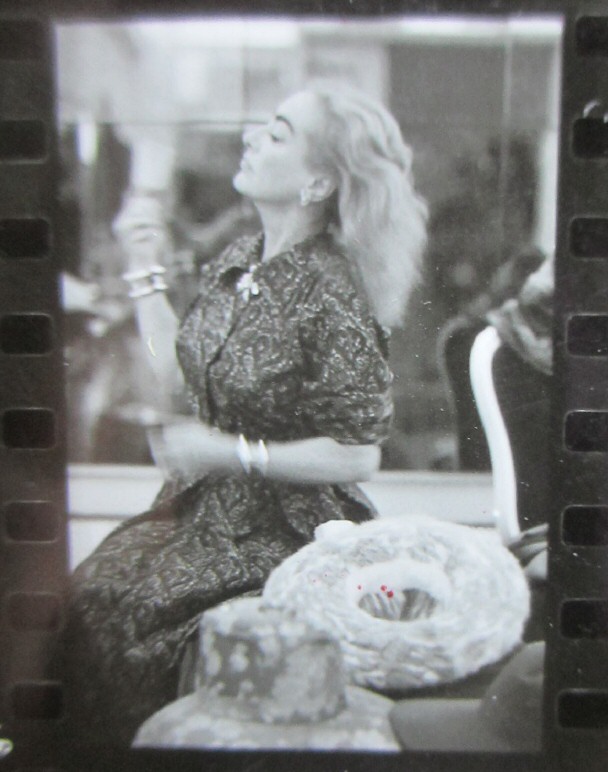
{"x":413,"y":601}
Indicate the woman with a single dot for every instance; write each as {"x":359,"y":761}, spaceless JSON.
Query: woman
{"x":284,"y":356}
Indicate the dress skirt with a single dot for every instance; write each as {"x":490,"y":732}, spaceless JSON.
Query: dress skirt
{"x":136,"y":602}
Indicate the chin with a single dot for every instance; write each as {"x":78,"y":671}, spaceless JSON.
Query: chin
{"x":239,"y":182}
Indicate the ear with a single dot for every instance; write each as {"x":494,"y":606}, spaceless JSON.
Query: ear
{"x":321,"y":188}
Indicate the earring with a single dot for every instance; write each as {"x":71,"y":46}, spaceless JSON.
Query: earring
{"x":304,"y":197}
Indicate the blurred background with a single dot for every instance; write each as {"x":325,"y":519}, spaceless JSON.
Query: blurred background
{"x":161,"y":106}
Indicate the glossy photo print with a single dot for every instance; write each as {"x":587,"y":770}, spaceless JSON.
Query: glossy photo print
{"x":307,"y":286}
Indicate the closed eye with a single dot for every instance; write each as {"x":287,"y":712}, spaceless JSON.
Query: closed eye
{"x":276,"y":133}
{"x":280,"y":129}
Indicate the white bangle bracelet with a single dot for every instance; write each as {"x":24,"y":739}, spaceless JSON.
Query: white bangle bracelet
{"x":158,"y":283}
{"x":260,"y":459}
{"x":243,"y":453}
{"x":144,"y":273}
{"x":252,"y":458}
{"x":146,"y":282}
{"x":142,"y":292}
{"x":136,"y":275}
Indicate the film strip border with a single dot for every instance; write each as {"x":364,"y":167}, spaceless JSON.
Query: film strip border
{"x":32,"y":410}
{"x":576,"y":692}
{"x":32,"y":447}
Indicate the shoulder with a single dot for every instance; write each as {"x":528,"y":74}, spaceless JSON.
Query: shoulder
{"x":337,"y":300}
{"x":334,"y":278}
{"x":328,"y":266}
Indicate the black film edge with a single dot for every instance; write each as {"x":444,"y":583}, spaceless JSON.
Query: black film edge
{"x":33,"y":510}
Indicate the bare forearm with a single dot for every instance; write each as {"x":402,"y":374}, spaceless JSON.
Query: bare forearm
{"x":321,"y":460}
{"x":158,"y":326}
{"x":142,"y":232}
{"x":197,"y":449}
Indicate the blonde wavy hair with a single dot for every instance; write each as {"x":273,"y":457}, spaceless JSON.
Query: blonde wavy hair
{"x":376,"y":213}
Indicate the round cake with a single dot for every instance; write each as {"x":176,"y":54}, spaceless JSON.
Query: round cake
{"x":275,"y":668}
{"x":413,"y":601}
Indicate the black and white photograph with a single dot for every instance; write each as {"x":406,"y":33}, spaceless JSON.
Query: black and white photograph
{"x":307,"y":291}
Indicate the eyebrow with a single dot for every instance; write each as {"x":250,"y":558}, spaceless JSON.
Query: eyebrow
{"x":286,"y":122}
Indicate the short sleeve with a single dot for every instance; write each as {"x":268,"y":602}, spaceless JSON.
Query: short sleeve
{"x":347,"y":391}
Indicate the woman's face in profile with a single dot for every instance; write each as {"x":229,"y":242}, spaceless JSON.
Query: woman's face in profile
{"x":274,"y":168}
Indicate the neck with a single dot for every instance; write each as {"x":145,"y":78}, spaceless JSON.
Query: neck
{"x":283,"y":229}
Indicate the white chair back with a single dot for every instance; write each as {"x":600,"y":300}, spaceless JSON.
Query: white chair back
{"x":504,"y":479}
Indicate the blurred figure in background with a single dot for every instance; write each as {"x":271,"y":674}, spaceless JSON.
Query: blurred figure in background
{"x":455,"y":343}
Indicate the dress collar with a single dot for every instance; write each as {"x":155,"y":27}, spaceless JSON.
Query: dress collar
{"x":246,"y":251}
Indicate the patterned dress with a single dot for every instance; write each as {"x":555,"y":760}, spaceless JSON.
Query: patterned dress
{"x":300,"y":357}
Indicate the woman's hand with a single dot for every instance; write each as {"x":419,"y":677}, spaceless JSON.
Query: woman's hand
{"x":142,"y":233}
{"x":192,"y":449}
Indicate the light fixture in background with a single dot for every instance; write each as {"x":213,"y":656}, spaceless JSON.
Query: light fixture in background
{"x":222,"y":33}
{"x":461,"y":28}
{"x":441,"y":29}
